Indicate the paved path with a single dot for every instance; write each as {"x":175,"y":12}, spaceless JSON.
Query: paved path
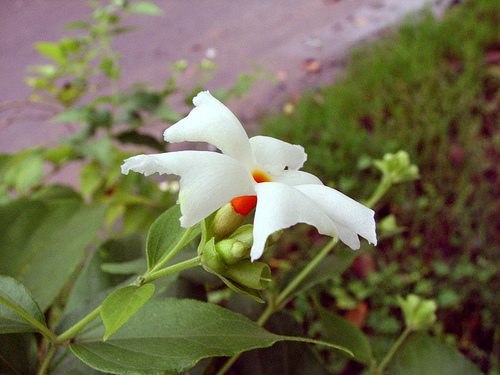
{"x":278,"y":35}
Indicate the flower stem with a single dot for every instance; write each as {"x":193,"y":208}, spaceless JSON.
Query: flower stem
{"x":305,"y":271}
{"x":380,"y":368}
{"x":383,"y":186}
{"x":154,"y":275}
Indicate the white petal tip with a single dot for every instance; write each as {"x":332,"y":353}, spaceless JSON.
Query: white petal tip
{"x":200,"y":97}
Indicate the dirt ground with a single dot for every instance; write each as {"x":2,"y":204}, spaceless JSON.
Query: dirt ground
{"x":281,"y":36}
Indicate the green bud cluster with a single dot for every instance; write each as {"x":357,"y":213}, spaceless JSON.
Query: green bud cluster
{"x":229,"y":259}
{"x":397,"y":167}
{"x":418,"y":313}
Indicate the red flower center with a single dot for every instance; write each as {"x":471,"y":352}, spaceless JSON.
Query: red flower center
{"x":246,"y":203}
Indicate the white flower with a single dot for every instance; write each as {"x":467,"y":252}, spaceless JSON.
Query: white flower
{"x":261,"y":167}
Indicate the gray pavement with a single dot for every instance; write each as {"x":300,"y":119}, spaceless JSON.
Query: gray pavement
{"x":278,"y":35}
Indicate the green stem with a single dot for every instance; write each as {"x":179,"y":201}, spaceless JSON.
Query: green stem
{"x":44,"y":368}
{"x":278,"y":304}
{"x":154,"y":275}
{"x":78,"y":326}
{"x":32,"y":321}
{"x":174,"y":251}
{"x":305,"y":271}
{"x":382,"y":188}
{"x":394,"y":349}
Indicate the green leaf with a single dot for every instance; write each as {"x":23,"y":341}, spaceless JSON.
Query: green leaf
{"x":342,"y":332}
{"x":122,"y":304}
{"x":136,"y":266}
{"x":91,"y":178}
{"x":136,"y":138}
{"x":170,"y":336}
{"x":42,"y":242}
{"x":78,"y":114}
{"x":24,"y":170}
{"x":423,"y":354}
{"x":52,"y":51}
{"x":13,"y":295}
{"x":165,"y":234}
{"x":283,"y":358}
{"x":144,"y":7}
{"x":92,"y":281}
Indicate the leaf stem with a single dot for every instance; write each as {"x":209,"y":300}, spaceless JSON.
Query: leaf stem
{"x":32,"y":321}
{"x":380,"y":368}
{"x":78,"y":326}
{"x":153,"y":275}
{"x":174,"y":251}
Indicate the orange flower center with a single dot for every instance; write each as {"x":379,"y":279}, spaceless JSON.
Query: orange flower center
{"x":246,"y":203}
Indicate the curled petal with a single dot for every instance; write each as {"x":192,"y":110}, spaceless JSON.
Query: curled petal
{"x":212,"y":122}
{"x":344,"y":211}
{"x":275,"y":155}
{"x":297,"y":178}
{"x":208,"y":179}
{"x":280,"y":206}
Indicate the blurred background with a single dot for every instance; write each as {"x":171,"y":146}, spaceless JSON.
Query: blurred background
{"x":350,"y":80}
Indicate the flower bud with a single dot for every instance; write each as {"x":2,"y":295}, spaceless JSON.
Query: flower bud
{"x":226,"y":221}
{"x":231,"y":251}
{"x":397,"y":167}
{"x":210,"y":259}
{"x":418,"y":313}
{"x":254,"y":275}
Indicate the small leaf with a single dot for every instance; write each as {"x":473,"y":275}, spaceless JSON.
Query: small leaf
{"x":24,"y":170}
{"x":164,"y":235}
{"x":78,"y":114}
{"x":14,"y":294}
{"x":136,"y":266}
{"x":342,"y":332}
{"x":170,"y":336}
{"x":91,"y":178}
{"x":52,"y":51}
{"x":423,"y":354}
{"x":144,"y":7}
{"x":134,"y":137}
{"x":122,"y":304}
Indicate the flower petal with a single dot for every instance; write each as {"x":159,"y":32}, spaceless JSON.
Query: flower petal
{"x":211,"y":121}
{"x":280,"y":206}
{"x":296,"y":178}
{"x":208,"y":179}
{"x":343,"y":210}
{"x":275,"y":155}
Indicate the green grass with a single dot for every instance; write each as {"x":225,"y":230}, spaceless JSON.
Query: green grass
{"x":431,"y":88}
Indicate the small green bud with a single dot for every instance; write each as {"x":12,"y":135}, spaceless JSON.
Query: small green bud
{"x":210,"y":258}
{"x":231,"y":251}
{"x":397,"y":167}
{"x":418,"y":313}
{"x":226,"y":221}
